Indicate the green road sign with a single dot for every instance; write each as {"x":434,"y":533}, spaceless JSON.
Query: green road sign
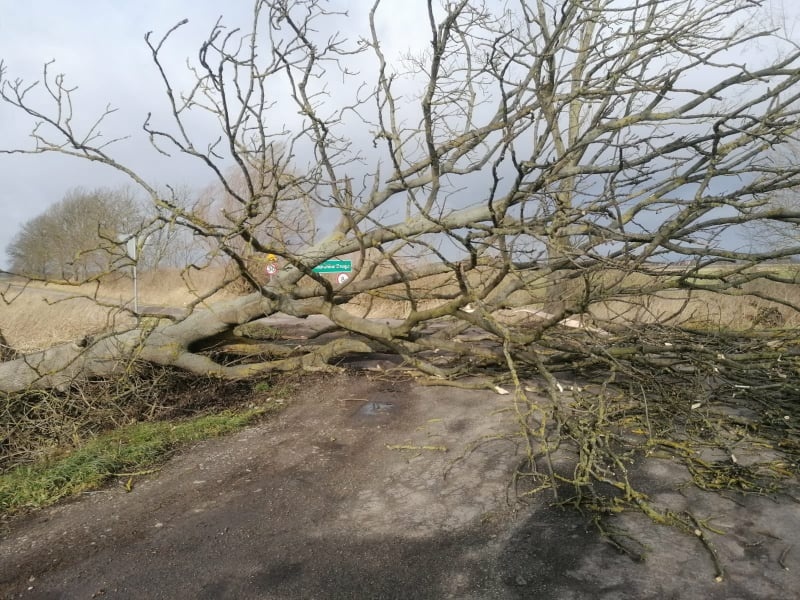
{"x":334,"y":266}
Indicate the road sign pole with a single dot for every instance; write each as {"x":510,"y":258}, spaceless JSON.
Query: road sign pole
{"x":135,"y":292}
{"x":132,"y":249}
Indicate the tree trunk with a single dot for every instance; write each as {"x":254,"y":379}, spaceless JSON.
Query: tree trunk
{"x":167,"y":343}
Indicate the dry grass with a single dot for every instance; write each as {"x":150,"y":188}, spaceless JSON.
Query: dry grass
{"x":429,"y":292}
{"x":33,"y":322}
{"x":392,"y":301}
{"x":165,"y":287}
{"x":43,"y":315}
{"x":739,"y":309}
{"x":379,"y":307}
{"x":39,"y":316}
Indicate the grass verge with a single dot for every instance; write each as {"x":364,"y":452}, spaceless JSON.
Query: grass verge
{"x":118,"y":453}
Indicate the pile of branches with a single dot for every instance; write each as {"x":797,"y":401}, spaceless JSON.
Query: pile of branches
{"x":722,"y":404}
{"x":35,"y":424}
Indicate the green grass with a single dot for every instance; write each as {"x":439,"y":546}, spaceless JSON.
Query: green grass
{"x":118,"y":453}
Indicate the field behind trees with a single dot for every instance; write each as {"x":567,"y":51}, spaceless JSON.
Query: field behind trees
{"x":35,"y":315}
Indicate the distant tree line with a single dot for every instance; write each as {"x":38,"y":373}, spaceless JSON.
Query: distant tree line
{"x":85,"y":234}
{"x":77,"y":236}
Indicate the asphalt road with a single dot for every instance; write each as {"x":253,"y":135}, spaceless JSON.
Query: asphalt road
{"x":369,"y":487}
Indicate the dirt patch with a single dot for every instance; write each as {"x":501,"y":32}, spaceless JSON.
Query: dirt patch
{"x":377,"y":488}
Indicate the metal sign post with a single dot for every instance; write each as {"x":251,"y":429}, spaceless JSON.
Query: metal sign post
{"x":132,"y":250}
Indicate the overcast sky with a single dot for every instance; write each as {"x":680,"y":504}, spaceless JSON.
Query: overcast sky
{"x":99,"y":45}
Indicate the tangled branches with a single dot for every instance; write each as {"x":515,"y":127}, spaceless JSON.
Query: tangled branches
{"x":722,"y":405}
{"x":38,"y":423}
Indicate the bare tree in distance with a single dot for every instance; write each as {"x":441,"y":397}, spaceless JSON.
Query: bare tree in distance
{"x":77,"y":237}
{"x":777,"y":234}
{"x":558,"y":152}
